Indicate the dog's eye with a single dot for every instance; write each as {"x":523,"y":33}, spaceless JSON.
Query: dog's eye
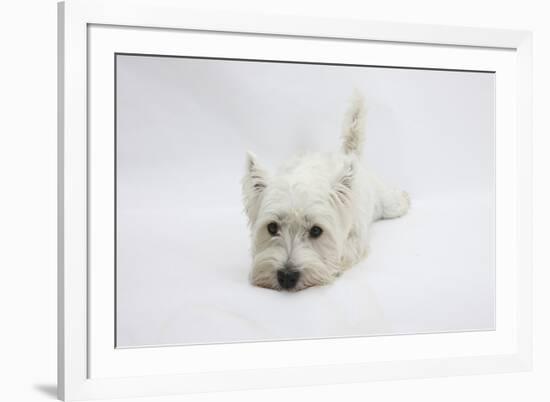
{"x":273,"y":228}
{"x":315,"y":231}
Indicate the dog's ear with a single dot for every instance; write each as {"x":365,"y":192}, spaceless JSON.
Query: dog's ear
{"x":254,"y":184}
{"x":344,"y":183}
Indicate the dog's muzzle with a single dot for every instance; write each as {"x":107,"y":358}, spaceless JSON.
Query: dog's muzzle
{"x":287,"y":278}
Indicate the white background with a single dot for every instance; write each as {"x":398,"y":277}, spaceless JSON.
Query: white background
{"x":183,"y":260}
{"x":28,"y":203}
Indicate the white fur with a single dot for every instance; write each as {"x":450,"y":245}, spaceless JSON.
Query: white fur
{"x":333,"y":191}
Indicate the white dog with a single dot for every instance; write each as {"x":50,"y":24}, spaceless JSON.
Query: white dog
{"x":310,"y":221}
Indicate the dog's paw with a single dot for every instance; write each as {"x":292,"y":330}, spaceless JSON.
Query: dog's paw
{"x":396,"y":204}
{"x":407,"y":198}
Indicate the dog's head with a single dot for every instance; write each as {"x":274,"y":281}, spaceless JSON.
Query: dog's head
{"x":299,"y":221}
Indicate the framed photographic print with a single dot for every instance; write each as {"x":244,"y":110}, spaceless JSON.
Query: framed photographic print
{"x":259,"y":201}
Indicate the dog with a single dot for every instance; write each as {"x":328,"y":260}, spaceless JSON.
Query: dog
{"x":310,"y":221}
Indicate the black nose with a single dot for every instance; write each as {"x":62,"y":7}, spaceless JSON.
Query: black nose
{"x":287,"y":279}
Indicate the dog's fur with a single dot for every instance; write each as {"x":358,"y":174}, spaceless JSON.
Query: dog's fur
{"x":331,"y":191}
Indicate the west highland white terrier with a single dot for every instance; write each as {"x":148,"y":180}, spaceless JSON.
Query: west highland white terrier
{"x":310,"y":221}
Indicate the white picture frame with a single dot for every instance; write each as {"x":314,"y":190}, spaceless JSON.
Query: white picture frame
{"x":89,"y":366}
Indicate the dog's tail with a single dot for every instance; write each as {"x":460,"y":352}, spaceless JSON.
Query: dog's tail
{"x":353,"y":133}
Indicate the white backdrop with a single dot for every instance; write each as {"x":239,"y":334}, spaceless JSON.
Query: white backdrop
{"x":183,"y":128}
{"x":28,"y":208}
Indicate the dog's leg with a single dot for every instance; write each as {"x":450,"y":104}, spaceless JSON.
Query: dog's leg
{"x":395,"y":203}
{"x":355,"y":248}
